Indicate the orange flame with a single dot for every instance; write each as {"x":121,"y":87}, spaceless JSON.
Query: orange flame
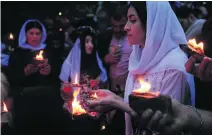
{"x":95,"y":96}
{"x":76,"y":80}
{"x":145,"y":88}
{"x":76,"y":107}
{"x":11,"y":36}
{"x":102,"y":127}
{"x":199,"y":48}
{"x":39,"y":56}
{"x":5,"y":107}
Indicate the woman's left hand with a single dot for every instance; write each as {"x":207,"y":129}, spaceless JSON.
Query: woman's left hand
{"x":108,"y":101}
{"x":45,"y":70}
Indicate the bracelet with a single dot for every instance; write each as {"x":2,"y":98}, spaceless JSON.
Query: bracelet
{"x":201,"y":121}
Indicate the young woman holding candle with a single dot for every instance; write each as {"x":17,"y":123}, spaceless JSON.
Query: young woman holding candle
{"x":155,"y":33}
{"x":83,"y":61}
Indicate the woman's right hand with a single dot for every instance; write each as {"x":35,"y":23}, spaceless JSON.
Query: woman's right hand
{"x":30,"y":69}
{"x":108,"y":101}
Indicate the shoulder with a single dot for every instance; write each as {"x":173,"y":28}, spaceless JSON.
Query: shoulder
{"x":21,"y":50}
{"x":175,"y":59}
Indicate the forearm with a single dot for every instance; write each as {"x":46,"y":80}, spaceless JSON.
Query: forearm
{"x":195,"y":121}
{"x":207,"y":121}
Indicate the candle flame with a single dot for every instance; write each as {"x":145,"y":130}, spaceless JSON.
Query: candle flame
{"x":103,"y":127}
{"x":144,"y":86}
{"x":76,"y":107}
{"x":11,"y":36}
{"x":5,"y":107}
{"x":199,"y":48}
{"x":95,"y":96}
{"x":39,"y":56}
{"x":76,"y":79}
{"x":145,"y":89}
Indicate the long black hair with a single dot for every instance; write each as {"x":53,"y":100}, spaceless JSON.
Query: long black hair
{"x":89,"y":63}
{"x":140,"y":7}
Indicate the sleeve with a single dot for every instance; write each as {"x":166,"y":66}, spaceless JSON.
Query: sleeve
{"x":176,"y":86}
{"x":16,"y":69}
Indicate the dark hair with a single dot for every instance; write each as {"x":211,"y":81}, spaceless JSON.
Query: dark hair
{"x":140,"y":7}
{"x":184,"y":12}
{"x":33,"y":24}
{"x":89,"y":62}
{"x":118,"y":12}
{"x":206,"y":37}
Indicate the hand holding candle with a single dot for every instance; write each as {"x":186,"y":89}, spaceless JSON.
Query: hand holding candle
{"x":108,"y":101}
{"x":142,"y":99}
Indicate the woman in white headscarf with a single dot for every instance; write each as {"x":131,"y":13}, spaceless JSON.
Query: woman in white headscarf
{"x":23,"y":69}
{"x":155,"y":33}
{"x":35,"y":83}
{"x":83,"y":60}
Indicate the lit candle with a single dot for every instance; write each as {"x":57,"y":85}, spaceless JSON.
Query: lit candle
{"x":11,"y":37}
{"x":39,"y":56}
{"x":4,"y":107}
{"x":199,"y":48}
{"x":145,"y":89}
{"x":76,"y":107}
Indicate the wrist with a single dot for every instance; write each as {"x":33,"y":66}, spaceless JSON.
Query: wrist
{"x":194,"y":120}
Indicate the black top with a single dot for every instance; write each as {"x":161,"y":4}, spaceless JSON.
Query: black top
{"x":20,"y":58}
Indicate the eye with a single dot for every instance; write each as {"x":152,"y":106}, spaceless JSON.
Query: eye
{"x":38,"y":33}
{"x":133,"y":20}
{"x":31,"y":33}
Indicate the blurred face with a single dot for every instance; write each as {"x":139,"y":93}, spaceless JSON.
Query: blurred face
{"x":34,"y":36}
{"x":134,"y":28}
{"x":88,"y":44}
{"x":118,"y":27}
{"x":185,"y":23}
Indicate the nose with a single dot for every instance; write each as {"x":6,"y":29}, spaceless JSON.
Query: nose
{"x":126,"y":27}
{"x":90,"y":45}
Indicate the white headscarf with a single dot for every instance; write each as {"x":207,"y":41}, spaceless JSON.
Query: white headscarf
{"x":22,"y":37}
{"x":163,"y":34}
{"x":72,"y":64}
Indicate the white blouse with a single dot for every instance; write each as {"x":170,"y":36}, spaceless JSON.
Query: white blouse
{"x":171,"y":82}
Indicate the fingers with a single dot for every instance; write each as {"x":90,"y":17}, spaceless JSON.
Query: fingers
{"x":208,"y":72}
{"x":190,"y":64}
{"x":165,"y":120}
{"x":155,"y":120}
{"x":202,"y":68}
{"x":145,"y":117}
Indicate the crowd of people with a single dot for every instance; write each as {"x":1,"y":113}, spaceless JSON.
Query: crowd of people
{"x":110,"y":46}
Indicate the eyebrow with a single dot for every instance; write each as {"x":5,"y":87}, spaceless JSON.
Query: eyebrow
{"x":131,"y":15}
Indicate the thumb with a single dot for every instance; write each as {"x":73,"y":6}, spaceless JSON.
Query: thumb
{"x":190,"y":64}
{"x":92,"y":103}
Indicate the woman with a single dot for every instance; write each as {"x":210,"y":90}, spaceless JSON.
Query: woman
{"x":34,"y":81}
{"x":155,"y":33}
{"x":24,"y":70}
{"x":83,"y":60}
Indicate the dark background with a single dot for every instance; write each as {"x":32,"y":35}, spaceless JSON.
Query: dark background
{"x":15,"y":13}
